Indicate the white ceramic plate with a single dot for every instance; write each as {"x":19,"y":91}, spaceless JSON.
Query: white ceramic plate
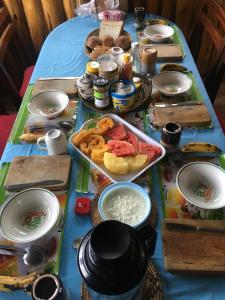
{"x":29,"y":215}
{"x":202,"y":184}
{"x":171,"y":83}
{"x":48,"y":104}
{"x":141,"y":136}
{"x":158,"y":33}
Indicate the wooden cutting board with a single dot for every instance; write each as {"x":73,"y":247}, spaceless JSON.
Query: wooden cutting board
{"x":64,"y":85}
{"x":185,"y":115}
{"x":26,"y":169}
{"x":167,"y":51}
{"x":192,"y":250}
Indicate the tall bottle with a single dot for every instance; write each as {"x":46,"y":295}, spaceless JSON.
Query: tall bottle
{"x":136,"y":59}
{"x":127,"y":73}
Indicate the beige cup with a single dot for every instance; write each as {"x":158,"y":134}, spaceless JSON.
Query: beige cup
{"x":55,"y":142}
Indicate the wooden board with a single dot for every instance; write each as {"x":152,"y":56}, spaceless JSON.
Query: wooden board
{"x":64,"y":85}
{"x":167,"y":51}
{"x":194,"y":250}
{"x":193,"y":115}
{"x":26,"y":169}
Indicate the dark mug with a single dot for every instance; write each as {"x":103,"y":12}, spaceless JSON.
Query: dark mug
{"x":48,"y":286}
{"x":139,"y":17}
{"x":170,"y":136}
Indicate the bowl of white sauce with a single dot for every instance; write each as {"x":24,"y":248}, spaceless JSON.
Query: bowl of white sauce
{"x":126,"y":202}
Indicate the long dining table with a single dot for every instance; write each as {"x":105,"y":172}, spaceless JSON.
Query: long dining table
{"x":62,"y":55}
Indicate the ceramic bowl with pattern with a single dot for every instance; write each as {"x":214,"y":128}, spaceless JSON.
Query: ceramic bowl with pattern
{"x":29,"y":215}
{"x":202,"y":184}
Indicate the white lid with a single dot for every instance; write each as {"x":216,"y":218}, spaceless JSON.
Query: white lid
{"x":134,"y":44}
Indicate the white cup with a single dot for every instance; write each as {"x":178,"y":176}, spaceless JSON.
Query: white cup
{"x":55,"y":141}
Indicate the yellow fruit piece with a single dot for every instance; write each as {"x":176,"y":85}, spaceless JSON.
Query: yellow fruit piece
{"x":98,"y":154}
{"x":136,"y":162}
{"x":115,"y":164}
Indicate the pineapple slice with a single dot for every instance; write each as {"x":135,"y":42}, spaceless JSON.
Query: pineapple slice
{"x":115,"y":164}
{"x":136,"y":162}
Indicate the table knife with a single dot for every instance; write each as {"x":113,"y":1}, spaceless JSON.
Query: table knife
{"x":187,"y":103}
{"x":187,"y":227}
{"x":15,"y":187}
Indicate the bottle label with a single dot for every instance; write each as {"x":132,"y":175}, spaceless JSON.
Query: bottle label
{"x":101,"y":103}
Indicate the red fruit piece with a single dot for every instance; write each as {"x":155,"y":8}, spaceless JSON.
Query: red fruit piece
{"x":117,"y":133}
{"x":121,"y":148}
{"x":133,"y":140}
{"x":150,"y":150}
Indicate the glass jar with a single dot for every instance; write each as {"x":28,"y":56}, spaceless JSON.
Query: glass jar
{"x":101,"y":92}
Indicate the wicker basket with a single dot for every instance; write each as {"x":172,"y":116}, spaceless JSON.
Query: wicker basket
{"x":142,"y":99}
{"x":88,"y":50}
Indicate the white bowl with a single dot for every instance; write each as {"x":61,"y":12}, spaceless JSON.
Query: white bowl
{"x":202,"y":184}
{"x":126,"y":202}
{"x":158,"y":33}
{"x":49,"y":104}
{"x":29,"y":215}
{"x":171,"y":83}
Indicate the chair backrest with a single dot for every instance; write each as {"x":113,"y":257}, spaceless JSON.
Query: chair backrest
{"x":14,"y":57}
{"x":208,"y":37}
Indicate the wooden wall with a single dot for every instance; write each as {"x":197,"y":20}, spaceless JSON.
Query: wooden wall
{"x":36,"y":18}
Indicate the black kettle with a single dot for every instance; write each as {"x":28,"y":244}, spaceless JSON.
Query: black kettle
{"x":113,"y":257}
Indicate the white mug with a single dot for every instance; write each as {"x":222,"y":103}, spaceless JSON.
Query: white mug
{"x":55,"y":141}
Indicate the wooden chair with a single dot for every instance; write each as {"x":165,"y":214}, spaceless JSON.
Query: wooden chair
{"x":208,"y":39}
{"x":15,"y":57}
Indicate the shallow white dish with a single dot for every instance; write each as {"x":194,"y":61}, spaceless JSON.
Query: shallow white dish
{"x":109,"y":200}
{"x":158,"y":33}
{"x":142,"y":136}
{"x":202,"y":184}
{"x":48,"y":104}
{"x":29,"y":215}
{"x":171,"y":83}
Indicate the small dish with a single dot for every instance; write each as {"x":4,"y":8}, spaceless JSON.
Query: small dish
{"x":171,"y":83}
{"x":48,"y":104}
{"x":158,"y":33}
{"x":125,"y":202}
{"x":202,"y":184}
{"x":29,"y":215}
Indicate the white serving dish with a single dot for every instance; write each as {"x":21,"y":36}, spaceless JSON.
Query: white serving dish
{"x":37,"y":105}
{"x":142,"y":136}
{"x":158,"y":33}
{"x":202,"y":184}
{"x":171,"y":83}
{"x":29,"y":215}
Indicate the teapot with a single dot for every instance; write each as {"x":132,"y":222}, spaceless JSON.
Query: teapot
{"x":112,"y":260}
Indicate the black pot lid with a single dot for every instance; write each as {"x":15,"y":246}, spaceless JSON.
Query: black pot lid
{"x":112,"y":258}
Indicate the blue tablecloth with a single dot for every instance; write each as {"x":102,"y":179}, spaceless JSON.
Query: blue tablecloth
{"x":63,"y":55}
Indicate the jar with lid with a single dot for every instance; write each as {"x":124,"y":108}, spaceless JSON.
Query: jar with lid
{"x":92,"y":67}
{"x":101,"y":92}
{"x":116,"y":55}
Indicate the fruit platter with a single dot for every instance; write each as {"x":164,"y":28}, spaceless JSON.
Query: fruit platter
{"x":118,"y":149}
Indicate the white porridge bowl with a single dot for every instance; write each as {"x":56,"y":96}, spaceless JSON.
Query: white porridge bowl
{"x":125,"y":202}
{"x":29,"y":215}
{"x":202,"y":184}
{"x":158,"y":33}
{"x":48,"y":104}
{"x":171,"y":83}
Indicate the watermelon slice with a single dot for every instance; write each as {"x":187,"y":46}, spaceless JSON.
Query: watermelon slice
{"x":150,"y":150}
{"x":121,"y":148}
{"x":117,"y":133}
{"x":133,"y":140}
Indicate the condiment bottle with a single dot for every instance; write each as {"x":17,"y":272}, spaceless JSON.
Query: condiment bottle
{"x":92,"y":67}
{"x":101,"y":92}
{"x":127,"y":72}
{"x":136,"y":59}
{"x":148,"y":60}
{"x":139,"y":17}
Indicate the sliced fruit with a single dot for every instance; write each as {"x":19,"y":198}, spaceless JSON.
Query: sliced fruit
{"x":133,"y":140}
{"x":98,"y":154}
{"x":117,"y":133}
{"x":105,"y":122}
{"x":200,"y":147}
{"x":136,"y":162}
{"x":150,"y":150}
{"x":115,"y":164}
{"x":121,"y":148}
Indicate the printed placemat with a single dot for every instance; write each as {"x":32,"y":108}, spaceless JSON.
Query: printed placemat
{"x":152,"y":285}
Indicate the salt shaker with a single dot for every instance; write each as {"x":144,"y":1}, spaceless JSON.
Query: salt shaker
{"x":148,"y":60}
